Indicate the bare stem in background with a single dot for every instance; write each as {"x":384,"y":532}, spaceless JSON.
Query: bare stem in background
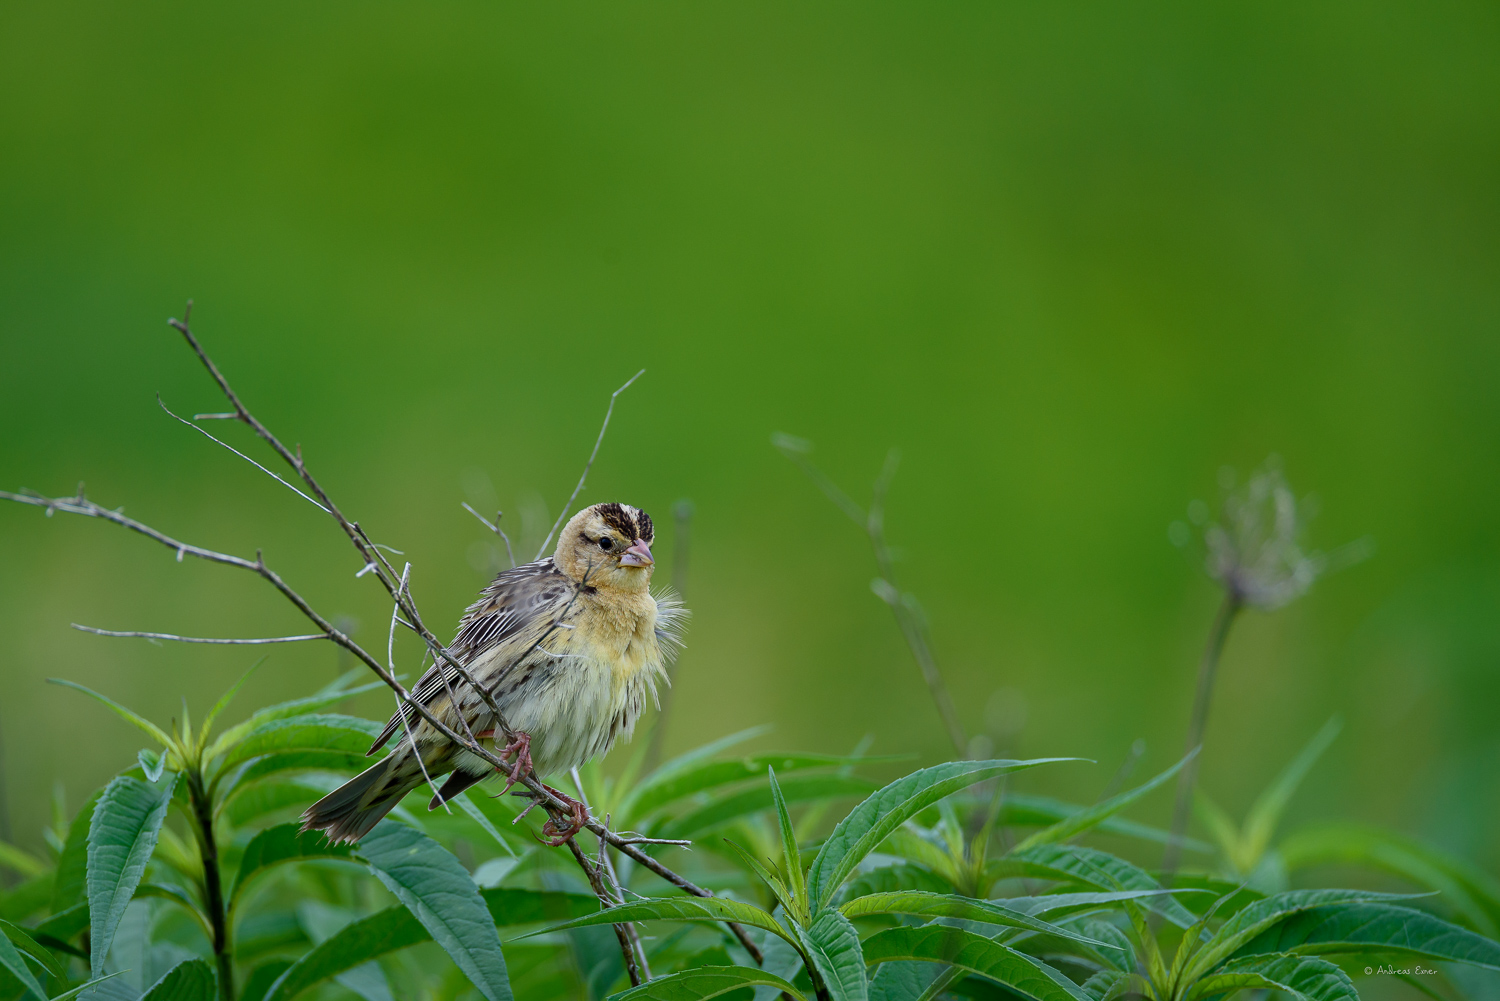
{"x":682,"y":542}
{"x":376,"y":565}
{"x":563,"y":514}
{"x":903,"y":605}
{"x":197,"y":639}
{"x":1208,"y":667}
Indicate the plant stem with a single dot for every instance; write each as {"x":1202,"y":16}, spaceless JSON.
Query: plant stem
{"x":213,"y":889}
{"x":1208,"y":667}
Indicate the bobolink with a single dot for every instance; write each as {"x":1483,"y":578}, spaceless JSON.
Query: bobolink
{"x":569,"y":647}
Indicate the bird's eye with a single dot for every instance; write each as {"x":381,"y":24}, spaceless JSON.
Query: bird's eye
{"x":606,"y":543}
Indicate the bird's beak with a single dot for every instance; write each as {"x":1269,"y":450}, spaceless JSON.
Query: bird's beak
{"x":638,"y":555}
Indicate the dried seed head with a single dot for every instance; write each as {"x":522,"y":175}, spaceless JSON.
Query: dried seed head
{"x":1254,"y":548}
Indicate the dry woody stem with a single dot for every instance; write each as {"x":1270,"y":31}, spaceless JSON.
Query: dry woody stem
{"x":374,"y":564}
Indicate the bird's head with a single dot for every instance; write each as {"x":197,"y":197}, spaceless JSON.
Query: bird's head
{"x":610,"y":544}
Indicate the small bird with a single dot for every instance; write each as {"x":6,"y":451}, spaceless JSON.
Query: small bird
{"x":569,"y":648}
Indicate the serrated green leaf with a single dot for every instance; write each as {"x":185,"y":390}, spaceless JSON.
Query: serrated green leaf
{"x":873,"y":820}
{"x":318,"y":732}
{"x":1100,"y":812}
{"x":903,"y":980}
{"x":436,"y":888}
{"x":192,"y":980}
{"x":1263,"y":914}
{"x":756,"y":799}
{"x":833,"y":946}
{"x":1303,"y":977}
{"x":1375,"y":927}
{"x":282,"y":843}
{"x":704,"y":982}
{"x":976,"y":954}
{"x":122,"y":836}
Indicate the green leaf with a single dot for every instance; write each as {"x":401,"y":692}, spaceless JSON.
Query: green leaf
{"x":474,"y":813}
{"x":232,"y":781}
{"x":1376,"y":927}
{"x":283,"y":843}
{"x":1020,"y":810}
{"x":11,"y":961}
{"x":891,"y":878}
{"x":1472,"y":893}
{"x":1265,"y":813}
{"x":29,"y":947}
{"x":285,"y":710}
{"x":833,"y":946}
{"x":156,"y":732}
{"x":873,"y":820}
{"x":224,"y":700}
{"x":65,"y":924}
{"x":1085,"y":819}
{"x":902,"y":980}
{"x":974,"y":954}
{"x":23,"y":862}
{"x":791,"y":855}
{"x":262,"y":977}
{"x":797,"y":789}
{"x":192,"y":980}
{"x":66,"y":995}
{"x":1092,"y":868}
{"x":659,"y":790}
{"x":255,"y":801}
{"x":704,"y":982}
{"x":1221,"y":825}
{"x":1303,"y":977}
{"x":25,"y":900}
{"x":303,"y":733}
{"x":936,"y":905}
{"x":438,"y":890}
{"x":122,"y":836}
{"x":395,"y":928}
{"x":1261,"y":915}
{"x":778,"y":887}
{"x":676,"y":909}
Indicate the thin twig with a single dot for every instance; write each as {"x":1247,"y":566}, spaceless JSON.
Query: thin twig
{"x":903,"y":606}
{"x":197,"y":639}
{"x":607,"y":885}
{"x":510,"y":554}
{"x":588,"y":465}
{"x":390,"y":662}
{"x":236,"y":451}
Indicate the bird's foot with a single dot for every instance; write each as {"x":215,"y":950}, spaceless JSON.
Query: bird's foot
{"x":559,"y":833}
{"x":520,"y":746}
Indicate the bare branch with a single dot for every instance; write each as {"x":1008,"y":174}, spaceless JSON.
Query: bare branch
{"x":510,"y":554}
{"x":588,"y":465}
{"x":197,"y":639}
{"x":237,"y":452}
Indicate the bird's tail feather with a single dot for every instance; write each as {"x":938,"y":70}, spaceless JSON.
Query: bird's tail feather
{"x":350,"y":811}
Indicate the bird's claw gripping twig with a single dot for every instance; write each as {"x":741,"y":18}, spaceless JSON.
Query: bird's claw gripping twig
{"x":561,"y":833}
{"x":520,"y":746}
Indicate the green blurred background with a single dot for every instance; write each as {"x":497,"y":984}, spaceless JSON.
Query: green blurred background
{"x":1070,"y":258}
